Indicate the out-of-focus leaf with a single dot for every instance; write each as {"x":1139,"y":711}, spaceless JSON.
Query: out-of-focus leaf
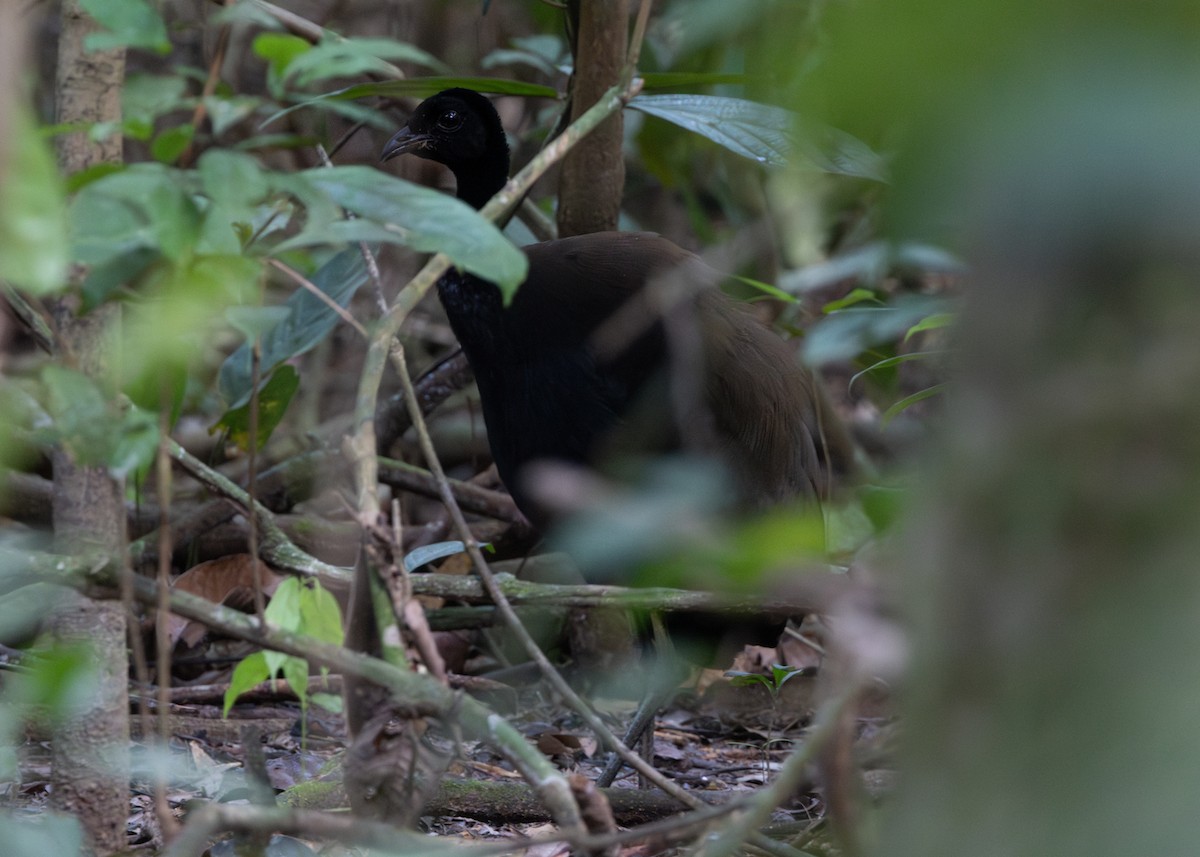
{"x":863,"y":264}
{"x":846,"y":333}
{"x":855,"y":296}
{"x":106,"y":277}
{"x":226,"y":111}
{"x":181,"y":306}
{"x":33,"y":249}
{"x":307,"y":323}
{"x":889,"y":362}
{"x":764,"y":133}
{"x":144,"y":205}
{"x":273,"y":401}
{"x":337,"y":57}
{"x":426,"y":220}
{"x":279,"y":50}
{"x":171,"y":143}
{"x":92,"y":426}
{"x":145,"y":97}
{"x":235,"y":184}
{"x":908,"y":401}
{"x":654,"y":81}
{"x":54,"y":834}
{"x":127,"y":24}
{"x":767,"y":289}
{"x":934,"y":322}
{"x":136,"y":443}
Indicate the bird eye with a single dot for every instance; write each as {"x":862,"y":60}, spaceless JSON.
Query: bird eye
{"x":451,"y":120}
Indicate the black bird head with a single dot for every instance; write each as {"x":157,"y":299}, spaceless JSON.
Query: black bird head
{"x":461,"y":129}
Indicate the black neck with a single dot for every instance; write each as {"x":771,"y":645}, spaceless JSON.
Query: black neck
{"x":479,"y":182}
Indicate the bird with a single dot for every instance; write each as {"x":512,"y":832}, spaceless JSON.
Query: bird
{"x":578,"y":366}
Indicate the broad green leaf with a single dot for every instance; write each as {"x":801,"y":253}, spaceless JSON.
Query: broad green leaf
{"x":136,"y":443}
{"x":95,"y":429}
{"x":127,"y":23}
{"x":235,"y":184}
{"x":755,"y":131}
{"x":846,"y":333}
{"x":308,"y":321}
{"x":171,"y":143}
{"x":273,"y":400}
{"x":763,"y":133}
{"x":82,"y":421}
{"x":426,"y":220}
{"x":279,"y":50}
{"x":251,"y":671}
{"x":179,"y":311}
{"x":862,"y":264}
{"x":145,"y":97}
{"x":328,"y":701}
{"x":254,"y":321}
{"x":33,"y":245}
{"x":338,"y":57}
{"x":320,"y":616}
{"x":144,"y":205}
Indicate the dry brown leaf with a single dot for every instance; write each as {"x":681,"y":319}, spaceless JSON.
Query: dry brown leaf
{"x":228,"y":581}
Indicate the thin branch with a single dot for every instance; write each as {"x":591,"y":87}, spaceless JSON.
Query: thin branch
{"x":320,"y":295}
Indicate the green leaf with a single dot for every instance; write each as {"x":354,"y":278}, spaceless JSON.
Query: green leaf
{"x":94,"y":427}
{"x":908,"y":401}
{"x":346,"y":57}
{"x":171,"y":143}
{"x":847,"y":333}
{"x":309,"y":320}
{"x":767,"y":289}
{"x":279,"y":50}
{"x":250,"y":672}
{"x":105,"y":278}
{"x":129,"y":24}
{"x":934,"y":322}
{"x":755,"y":131}
{"x":889,"y":362}
{"x":854,"y":296}
{"x":273,"y":400}
{"x":144,"y":205}
{"x":320,"y":616}
{"x":145,"y":97}
{"x":426,"y":220}
{"x":764,"y":133}
{"x":136,"y":443}
{"x":33,"y":247}
{"x":328,"y":701}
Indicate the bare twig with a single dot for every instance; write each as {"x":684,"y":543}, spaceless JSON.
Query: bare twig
{"x":320,"y":295}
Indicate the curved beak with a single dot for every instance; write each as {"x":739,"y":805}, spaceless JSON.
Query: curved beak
{"x":404,"y":142}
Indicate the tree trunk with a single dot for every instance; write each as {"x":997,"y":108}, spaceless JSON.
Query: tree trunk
{"x":90,"y":755}
{"x":593,"y":174}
